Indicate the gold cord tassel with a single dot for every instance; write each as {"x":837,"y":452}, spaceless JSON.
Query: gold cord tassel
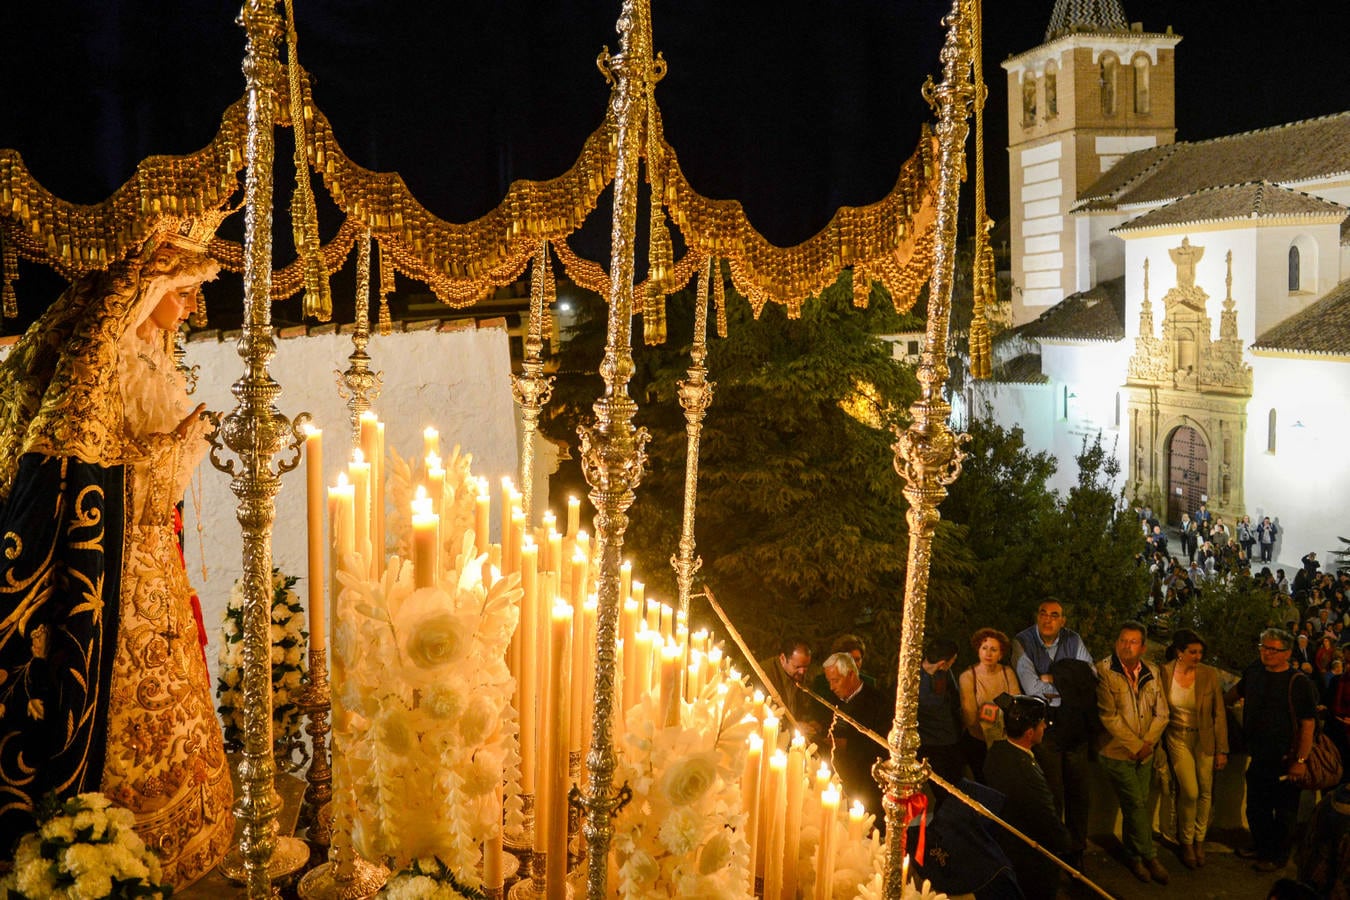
{"x":386,"y":288}
{"x":318,"y":301}
{"x":984,"y":286}
{"x":550,"y":292}
{"x":981,"y":348}
{"x":9,"y":273}
{"x":862,"y":287}
{"x":660,"y":253}
{"x":720,"y":298}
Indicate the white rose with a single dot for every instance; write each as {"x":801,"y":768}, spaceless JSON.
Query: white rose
{"x":478,"y":721}
{"x":293,"y":656}
{"x":679,"y":833}
{"x":686,"y":780}
{"x":280,"y":613}
{"x":715,"y":854}
{"x":396,"y":732}
{"x":483,"y":773}
{"x":640,"y":869}
{"x":443,"y":701}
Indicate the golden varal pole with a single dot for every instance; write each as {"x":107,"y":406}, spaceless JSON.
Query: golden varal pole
{"x":928,"y":455}
{"x":696,"y":393}
{"x":612,"y":450}
{"x":531,"y":389}
{"x":255,"y":431}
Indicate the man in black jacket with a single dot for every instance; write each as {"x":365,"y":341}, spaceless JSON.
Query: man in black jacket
{"x":1011,"y":769}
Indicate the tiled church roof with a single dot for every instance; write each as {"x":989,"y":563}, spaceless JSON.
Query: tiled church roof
{"x":1323,"y":327}
{"x":1254,"y":200}
{"x":1097,"y":314}
{"x":1285,"y":154}
{"x":1086,"y":15}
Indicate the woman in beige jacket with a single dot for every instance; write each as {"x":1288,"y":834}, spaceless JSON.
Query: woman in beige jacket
{"x":1196,"y":738}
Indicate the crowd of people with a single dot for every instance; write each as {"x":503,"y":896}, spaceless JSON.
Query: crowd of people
{"x":1035,"y":713}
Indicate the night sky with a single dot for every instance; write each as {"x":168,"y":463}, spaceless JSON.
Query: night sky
{"x":792,"y":106}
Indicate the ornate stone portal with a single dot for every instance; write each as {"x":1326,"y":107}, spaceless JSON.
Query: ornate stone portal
{"x":1188,"y":380}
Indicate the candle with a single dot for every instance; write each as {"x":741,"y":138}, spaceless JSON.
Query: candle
{"x":773,"y":847}
{"x":829,"y":807}
{"x":695,"y":675}
{"x":629,"y":630}
{"x":642,"y":668}
{"x":517,"y":537}
{"x":670,"y":684}
{"x":578,"y":577}
{"x":769,"y":732}
{"x":823,"y":776}
{"x":904,"y":871}
{"x":505,"y":538}
{"x":555,"y":557}
{"x":626,"y":582}
{"x":493,"y":874}
{"x":792,"y":828}
{"x":573,"y":516}
{"x":560,"y":660}
{"x":590,"y":610}
{"x":482,"y":505}
{"x":435,"y":482}
{"x":577,"y":728}
{"x":425,"y":527}
{"x":341,"y":530}
{"x":359,"y":470}
{"x":856,"y":816}
{"x":639,"y":593}
{"x":667,"y":621}
{"x":529,"y":639}
{"x":314,"y":501}
{"x":368,"y":437}
{"x":378,"y":475}
{"x":431,"y":441}
{"x":750,"y":798}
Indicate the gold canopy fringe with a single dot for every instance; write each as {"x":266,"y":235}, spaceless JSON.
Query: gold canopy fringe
{"x":9,"y":273}
{"x":462,"y":263}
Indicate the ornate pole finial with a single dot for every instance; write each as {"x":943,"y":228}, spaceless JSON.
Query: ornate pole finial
{"x":255,"y":431}
{"x":359,"y":386}
{"x":531,"y":389}
{"x":696,"y":394}
{"x":928,"y":455}
{"x":612,"y":450}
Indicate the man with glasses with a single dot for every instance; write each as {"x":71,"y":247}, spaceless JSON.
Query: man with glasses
{"x":1274,"y":694}
{"x":1037,"y":649}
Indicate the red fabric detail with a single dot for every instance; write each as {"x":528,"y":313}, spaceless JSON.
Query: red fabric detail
{"x":916,"y":805}
{"x":196,"y":603}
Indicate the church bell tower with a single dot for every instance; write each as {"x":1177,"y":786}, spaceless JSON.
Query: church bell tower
{"x":1098,"y":88}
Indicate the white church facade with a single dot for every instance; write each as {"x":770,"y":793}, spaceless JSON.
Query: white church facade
{"x":1188,"y":301}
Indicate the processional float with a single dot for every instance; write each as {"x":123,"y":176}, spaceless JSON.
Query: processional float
{"x":905,"y":241}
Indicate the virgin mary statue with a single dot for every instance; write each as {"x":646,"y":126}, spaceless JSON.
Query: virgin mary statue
{"x":103,"y":684}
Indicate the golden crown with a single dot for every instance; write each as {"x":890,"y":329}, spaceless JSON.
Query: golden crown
{"x":191,"y":233}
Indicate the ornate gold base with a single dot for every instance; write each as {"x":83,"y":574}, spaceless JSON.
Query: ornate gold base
{"x":320,"y":832}
{"x":289,"y":857}
{"x":322,"y":883}
{"x":525,"y":890}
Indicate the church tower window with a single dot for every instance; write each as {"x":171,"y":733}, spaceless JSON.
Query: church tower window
{"x":1051,"y":91}
{"x":1302,"y":265}
{"x":1029,"y":99}
{"x":1141,"y":71}
{"x":1108,"y":84}
{"x":1270,"y":431}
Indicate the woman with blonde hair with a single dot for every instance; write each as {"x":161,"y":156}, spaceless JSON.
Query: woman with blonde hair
{"x":980,"y":685}
{"x":1196,"y":739}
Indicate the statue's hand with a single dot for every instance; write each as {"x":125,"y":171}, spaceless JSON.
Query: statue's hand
{"x":189,"y":423}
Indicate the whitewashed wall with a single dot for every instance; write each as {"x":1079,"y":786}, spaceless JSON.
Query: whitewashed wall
{"x":1302,"y":484}
{"x":457,"y":381}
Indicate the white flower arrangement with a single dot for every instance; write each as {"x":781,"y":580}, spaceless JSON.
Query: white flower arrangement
{"x":427,"y":880}
{"x":683,"y":834}
{"x":84,"y":848}
{"x":290,"y":642}
{"x":422,"y":712}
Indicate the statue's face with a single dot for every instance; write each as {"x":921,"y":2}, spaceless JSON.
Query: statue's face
{"x":175,"y":306}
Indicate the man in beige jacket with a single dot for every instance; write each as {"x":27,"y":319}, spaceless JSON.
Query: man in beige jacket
{"x":1133,"y":708}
